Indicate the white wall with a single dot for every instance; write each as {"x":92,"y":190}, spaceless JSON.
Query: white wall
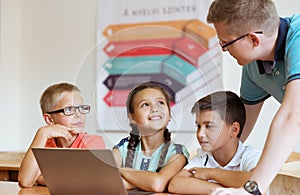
{"x":48,"y":41}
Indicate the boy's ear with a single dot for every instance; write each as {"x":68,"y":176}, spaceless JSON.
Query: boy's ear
{"x":235,"y":129}
{"x":131,"y":119}
{"x":254,"y":38}
{"x":48,"y":119}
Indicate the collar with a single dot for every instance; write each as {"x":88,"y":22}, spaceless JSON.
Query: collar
{"x":266,"y":67}
{"x":78,"y":140}
{"x":235,"y":161}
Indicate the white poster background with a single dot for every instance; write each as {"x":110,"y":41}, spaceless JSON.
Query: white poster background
{"x":137,"y":11}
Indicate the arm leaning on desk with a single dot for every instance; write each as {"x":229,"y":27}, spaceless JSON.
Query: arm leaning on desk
{"x":287,"y":179}
{"x":286,"y":182}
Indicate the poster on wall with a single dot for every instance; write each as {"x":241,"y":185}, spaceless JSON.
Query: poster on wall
{"x":167,"y":42}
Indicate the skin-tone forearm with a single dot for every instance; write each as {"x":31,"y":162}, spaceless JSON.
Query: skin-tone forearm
{"x":185,"y":183}
{"x":128,"y":185}
{"x":270,"y":164}
{"x":29,"y":173}
{"x":153,"y":181}
{"x":252,"y":112}
{"x":283,"y":135}
{"x":29,"y":169}
{"x":227,"y":178}
{"x":146,"y":179}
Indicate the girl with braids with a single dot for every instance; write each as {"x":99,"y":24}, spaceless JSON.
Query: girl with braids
{"x":148,"y":158}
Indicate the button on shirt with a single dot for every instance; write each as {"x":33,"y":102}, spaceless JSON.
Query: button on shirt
{"x":258,"y":84}
{"x":245,"y":159}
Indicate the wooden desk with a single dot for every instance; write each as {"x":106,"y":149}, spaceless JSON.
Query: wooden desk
{"x":295,"y":156}
{"x":12,"y":188}
{"x":9,"y":165}
{"x":287,"y":181}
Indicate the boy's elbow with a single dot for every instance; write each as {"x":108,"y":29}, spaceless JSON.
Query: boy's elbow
{"x":24,"y":184}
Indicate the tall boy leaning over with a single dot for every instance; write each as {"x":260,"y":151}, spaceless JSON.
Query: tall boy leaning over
{"x":222,"y":158}
{"x":64,"y":112}
{"x":267,"y":47}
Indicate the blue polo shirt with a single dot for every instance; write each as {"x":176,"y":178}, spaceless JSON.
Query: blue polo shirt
{"x":262,"y":79}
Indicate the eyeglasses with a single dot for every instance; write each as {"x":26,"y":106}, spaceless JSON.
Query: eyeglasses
{"x":70,"y":110}
{"x":226,"y":44}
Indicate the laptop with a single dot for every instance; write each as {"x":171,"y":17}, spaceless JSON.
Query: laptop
{"x":81,"y":171}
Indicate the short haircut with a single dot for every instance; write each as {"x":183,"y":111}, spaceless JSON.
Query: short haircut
{"x":229,"y":106}
{"x":52,"y":94}
{"x":245,"y":16}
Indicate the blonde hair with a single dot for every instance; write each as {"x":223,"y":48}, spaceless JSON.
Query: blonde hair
{"x":52,"y":94}
{"x":244,"y":16}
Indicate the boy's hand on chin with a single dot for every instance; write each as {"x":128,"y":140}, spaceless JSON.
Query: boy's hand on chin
{"x":74,"y":131}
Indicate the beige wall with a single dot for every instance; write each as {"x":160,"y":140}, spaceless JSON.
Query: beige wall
{"x":48,"y":41}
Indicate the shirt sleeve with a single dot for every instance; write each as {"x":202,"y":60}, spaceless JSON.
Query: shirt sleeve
{"x":196,"y":161}
{"x":248,"y":87}
{"x":177,"y":149}
{"x":292,"y":49}
{"x":250,"y":158}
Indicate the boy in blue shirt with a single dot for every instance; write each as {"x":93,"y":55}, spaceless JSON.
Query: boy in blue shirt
{"x":267,"y":47}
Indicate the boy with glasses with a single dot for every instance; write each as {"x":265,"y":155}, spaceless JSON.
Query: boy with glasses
{"x":267,"y":47}
{"x":65,"y":114}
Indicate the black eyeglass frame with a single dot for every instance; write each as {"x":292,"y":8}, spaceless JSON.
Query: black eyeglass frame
{"x":235,"y":40}
{"x":80,"y":108}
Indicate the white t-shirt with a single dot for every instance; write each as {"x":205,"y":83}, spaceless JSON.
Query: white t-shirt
{"x":245,"y":159}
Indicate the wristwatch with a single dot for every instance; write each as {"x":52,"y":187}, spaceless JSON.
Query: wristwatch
{"x":252,"y":188}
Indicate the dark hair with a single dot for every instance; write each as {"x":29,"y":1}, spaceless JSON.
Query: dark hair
{"x":229,"y":106}
{"x":134,"y":138}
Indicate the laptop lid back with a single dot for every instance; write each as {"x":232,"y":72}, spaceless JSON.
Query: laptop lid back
{"x":79,"y":171}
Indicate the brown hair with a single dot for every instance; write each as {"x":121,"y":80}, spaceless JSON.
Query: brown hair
{"x":134,"y":138}
{"x":229,"y":106}
{"x":244,"y":16}
{"x":51,"y":95}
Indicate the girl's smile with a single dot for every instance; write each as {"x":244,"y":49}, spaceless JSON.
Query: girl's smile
{"x":151,"y":111}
